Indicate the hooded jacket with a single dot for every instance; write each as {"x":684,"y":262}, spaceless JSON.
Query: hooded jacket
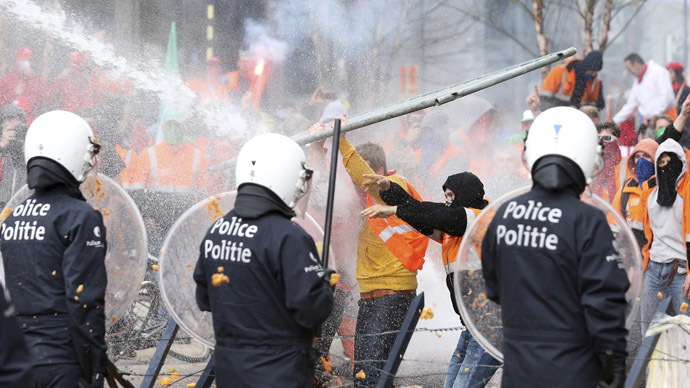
{"x":567,"y":85}
{"x":650,"y":194}
{"x":450,"y":221}
{"x":627,"y":199}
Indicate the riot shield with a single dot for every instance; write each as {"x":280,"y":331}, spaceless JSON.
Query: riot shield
{"x":127,"y":253}
{"x":483,"y":317}
{"x":179,"y":255}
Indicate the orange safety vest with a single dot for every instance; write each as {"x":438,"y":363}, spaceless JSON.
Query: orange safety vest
{"x":683,"y":190}
{"x":560,"y":83}
{"x":126,"y":156}
{"x":451,"y":244}
{"x":173,"y":169}
{"x":402,"y":240}
{"x":627,"y":202}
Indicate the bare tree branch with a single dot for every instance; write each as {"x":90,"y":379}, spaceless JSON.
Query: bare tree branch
{"x":641,"y":3}
{"x":603,"y":40}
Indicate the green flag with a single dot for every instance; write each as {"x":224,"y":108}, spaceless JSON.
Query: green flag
{"x":168,"y":110}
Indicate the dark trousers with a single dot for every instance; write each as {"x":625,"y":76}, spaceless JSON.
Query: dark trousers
{"x":57,"y":375}
{"x":376,"y":316}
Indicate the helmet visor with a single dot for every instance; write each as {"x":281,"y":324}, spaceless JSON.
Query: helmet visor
{"x":303,"y":191}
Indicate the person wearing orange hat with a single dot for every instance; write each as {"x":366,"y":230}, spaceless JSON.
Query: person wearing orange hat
{"x":23,"y":86}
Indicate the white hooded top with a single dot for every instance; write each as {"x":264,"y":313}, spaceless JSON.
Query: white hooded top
{"x":667,"y":222}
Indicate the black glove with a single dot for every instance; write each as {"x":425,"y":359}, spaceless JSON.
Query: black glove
{"x":618,"y":380}
{"x":327,"y":273}
{"x":613,"y":370}
{"x":97,"y":381}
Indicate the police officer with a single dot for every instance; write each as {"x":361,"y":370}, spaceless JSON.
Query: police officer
{"x":53,"y":249}
{"x":259,"y":274}
{"x":15,"y":362}
{"x":549,"y":260}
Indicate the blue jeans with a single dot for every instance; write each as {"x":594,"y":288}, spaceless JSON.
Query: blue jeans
{"x":376,"y":316}
{"x":470,"y":366}
{"x":655,"y":281}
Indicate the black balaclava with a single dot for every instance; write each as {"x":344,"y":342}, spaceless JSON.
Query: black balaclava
{"x":666,"y":179}
{"x":253,"y":201}
{"x":468,"y":190}
{"x":557,"y":173}
{"x":44,"y":174}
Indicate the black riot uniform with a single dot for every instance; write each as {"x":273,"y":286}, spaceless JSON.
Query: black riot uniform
{"x":15,"y":362}
{"x":548,"y":259}
{"x":265,"y":316}
{"x":53,"y":249}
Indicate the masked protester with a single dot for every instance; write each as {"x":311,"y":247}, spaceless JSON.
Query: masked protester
{"x":549,"y":260}
{"x":606,"y":182}
{"x":13,"y":127}
{"x":53,"y":249}
{"x":272,"y":292}
{"x":639,"y":168}
{"x":664,"y":210}
{"x":445,"y":223}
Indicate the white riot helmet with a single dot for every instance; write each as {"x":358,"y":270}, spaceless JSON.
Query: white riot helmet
{"x":565,"y":132}
{"x":277,"y":163}
{"x":65,"y":138}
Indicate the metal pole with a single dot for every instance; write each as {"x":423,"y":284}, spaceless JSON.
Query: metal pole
{"x":435,"y":98}
{"x":331,"y":193}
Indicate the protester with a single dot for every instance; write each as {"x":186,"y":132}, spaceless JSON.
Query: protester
{"x":386,"y":269}
{"x":446,"y":223}
{"x":23,"y":86}
{"x":13,"y":174}
{"x":574,"y":83}
{"x":662,"y":211}
{"x":606,"y":184}
{"x":639,"y":167}
{"x":651,"y":94}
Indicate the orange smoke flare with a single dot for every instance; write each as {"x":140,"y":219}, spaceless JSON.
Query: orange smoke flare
{"x":259,"y":69}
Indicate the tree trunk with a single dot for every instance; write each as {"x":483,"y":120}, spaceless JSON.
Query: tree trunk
{"x":606,"y":27}
{"x":588,"y":17}
{"x":538,"y":16}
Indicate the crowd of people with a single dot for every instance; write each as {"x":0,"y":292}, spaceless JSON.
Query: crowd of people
{"x":638,"y":163}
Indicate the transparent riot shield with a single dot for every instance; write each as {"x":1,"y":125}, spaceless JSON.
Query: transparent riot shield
{"x":127,"y":253}
{"x":179,"y":255}
{"x":483,"y":317}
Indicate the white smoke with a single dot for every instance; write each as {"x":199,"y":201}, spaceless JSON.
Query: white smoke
{"x":259,"y":43}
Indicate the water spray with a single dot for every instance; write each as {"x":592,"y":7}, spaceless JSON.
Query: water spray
{"x":427,"y":100}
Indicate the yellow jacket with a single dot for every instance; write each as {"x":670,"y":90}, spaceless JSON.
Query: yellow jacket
{"x":377,"y":268}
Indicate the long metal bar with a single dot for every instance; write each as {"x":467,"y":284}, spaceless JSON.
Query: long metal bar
{"x":331,"y":193}
{"x":435,"y":98}
{"x":639,"y":368}
{"x":159,"y":356}
{"x":401,"y":341}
